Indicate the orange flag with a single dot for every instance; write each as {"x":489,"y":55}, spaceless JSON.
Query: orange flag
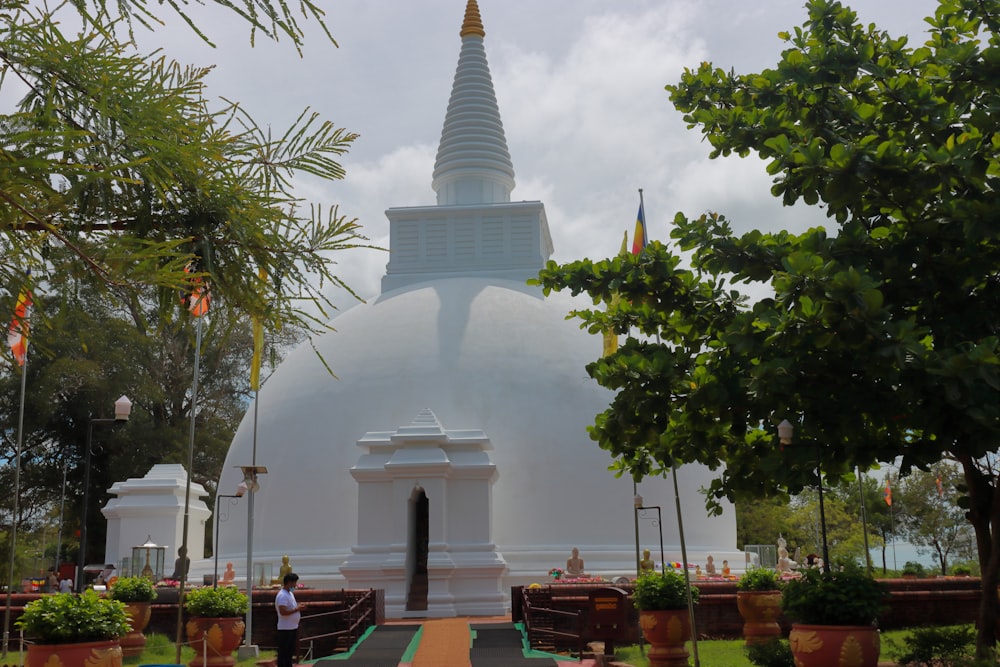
{"x":17,"y":334}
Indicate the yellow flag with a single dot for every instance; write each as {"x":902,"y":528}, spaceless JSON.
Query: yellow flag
{"x":258,"y":345}
{"x":610,"y":337}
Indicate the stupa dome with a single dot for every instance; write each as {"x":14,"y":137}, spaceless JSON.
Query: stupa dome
{"x":444,"y":454}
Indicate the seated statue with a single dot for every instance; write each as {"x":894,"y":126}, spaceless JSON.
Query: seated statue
{"x":229,"y":575}
{"x":182,"y":562}
{"x":574,"y":564}
{"x":646,"y":565}
{"x":285,"y":568}
{"x":710,"y":565}
{"x":725,"y":568}
{"x":785,"y":564}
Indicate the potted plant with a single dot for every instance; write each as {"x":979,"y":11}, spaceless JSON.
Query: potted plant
{"x":758,"y":597}
{"x":138,"y":594}
{"x":74,"y":631}
{"x":834,"y":614}
{"x":215,"y":627}
{"x":662,"y":601}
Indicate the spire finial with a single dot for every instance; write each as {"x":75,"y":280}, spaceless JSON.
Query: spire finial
{"x":473,"y":23}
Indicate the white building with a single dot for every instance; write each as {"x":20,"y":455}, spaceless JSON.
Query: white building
{"x":449,"y":457}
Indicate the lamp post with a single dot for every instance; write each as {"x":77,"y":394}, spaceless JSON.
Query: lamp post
{"x":249,"y":650}
{"x":659,"y":524}
{"x":785,"y":433}
{"x":240,"y":490}
{"x":123,"y":408}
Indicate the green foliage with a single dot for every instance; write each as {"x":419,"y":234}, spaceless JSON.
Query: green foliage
{"x":935,"y":647}
{"x":914,"y":569}
{"x":133,"y":589}
{"x":662,"y":590}
{"x":64,"y":618}
{"x":224,"y":601}
{"x":843,"y":596}
{"x":758,"y":579}
{"x":963,"y":569}
{"x":875,"y":339}
{"x":772,"y":653}
{"x":122,"y":159}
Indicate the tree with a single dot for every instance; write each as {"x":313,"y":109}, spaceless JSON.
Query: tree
{"x":99,"y":351}
{"x":931,"y":517}
{"x":122,"y":160}
{"x":880,"y":341}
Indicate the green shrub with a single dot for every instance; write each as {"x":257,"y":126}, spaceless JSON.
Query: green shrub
{"x":659,"y":591}
{"x":133,"y":589}
{"x":940,"y":647}
{"x":913,"y":569}
{"x":961,"y":570}
{"x":845,"y":595}
{"x":65,"y":618}
{"x":773,"y":653}
{"x":758,"y":579}
{"x":225,"y":601}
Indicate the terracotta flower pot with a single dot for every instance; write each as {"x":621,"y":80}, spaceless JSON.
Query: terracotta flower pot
{"x":760,"y":611}
{"x":667,"y":632}
{"x":834,"y":645}
{"x":214,"y":640}
{"x":88,"y":654}
{"x":134,"y":641}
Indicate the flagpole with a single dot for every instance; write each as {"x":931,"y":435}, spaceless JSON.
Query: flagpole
{"x":183,"y":552}
{"x":17,"y":497}
{"x":892,"y":527}
{"x":687,"y":574}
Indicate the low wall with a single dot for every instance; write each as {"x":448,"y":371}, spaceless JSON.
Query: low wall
{"x":913,"y":602}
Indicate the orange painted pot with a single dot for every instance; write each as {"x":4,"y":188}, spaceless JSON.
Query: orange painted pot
{"x":667,"y":632}
{"x":88,"y":654}
{"x":835,"y":645}
{"x":214,"y":640}
{"x":760,"y":611}
{"x":134,"y":641}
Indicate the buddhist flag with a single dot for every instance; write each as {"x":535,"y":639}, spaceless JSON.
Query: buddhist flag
{"x":887,"y":494}
{"x":258,"y":344}
{"x":17,"y":335}
{"x":640,"y":240}
{"x":610,"y":337}
{"x":198,"y":299}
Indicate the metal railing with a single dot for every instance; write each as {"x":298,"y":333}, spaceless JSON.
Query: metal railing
{"x":344,"y":627}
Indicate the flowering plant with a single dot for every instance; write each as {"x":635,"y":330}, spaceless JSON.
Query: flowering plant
{"x":555,"y":573}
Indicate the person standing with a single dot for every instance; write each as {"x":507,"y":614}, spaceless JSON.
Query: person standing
{"x":288,"y":619}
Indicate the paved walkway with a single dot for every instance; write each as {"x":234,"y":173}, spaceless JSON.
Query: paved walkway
{"x":445,"y":643}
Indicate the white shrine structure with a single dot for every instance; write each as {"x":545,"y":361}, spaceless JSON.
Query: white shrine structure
{"x":449,"y":458}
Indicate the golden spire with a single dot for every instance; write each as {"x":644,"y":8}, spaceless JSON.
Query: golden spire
{"x":473,"y":23}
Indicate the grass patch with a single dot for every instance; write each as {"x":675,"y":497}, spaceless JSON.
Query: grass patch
{"x":161,"y":650}
{"x":729,"y":652}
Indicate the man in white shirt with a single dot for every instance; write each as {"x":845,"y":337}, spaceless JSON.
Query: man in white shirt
{"x":288,"y":619}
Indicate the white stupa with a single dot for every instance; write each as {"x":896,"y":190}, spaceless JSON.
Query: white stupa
{"x":449,"y":458}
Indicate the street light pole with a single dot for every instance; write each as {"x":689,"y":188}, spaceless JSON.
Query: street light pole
{"x":785,"y":432}
{"x":215,"y":545}
{"x":639,"y":507}
{"x":249,"y":649}
{"x":123,"y":408}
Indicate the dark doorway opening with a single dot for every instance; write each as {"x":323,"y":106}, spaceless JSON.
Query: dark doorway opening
{"x":416,"y":597}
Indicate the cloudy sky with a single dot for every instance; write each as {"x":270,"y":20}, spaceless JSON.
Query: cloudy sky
{"x":580,"y":84}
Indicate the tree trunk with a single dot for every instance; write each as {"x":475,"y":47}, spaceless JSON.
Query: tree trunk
{"x":984,"y":513}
